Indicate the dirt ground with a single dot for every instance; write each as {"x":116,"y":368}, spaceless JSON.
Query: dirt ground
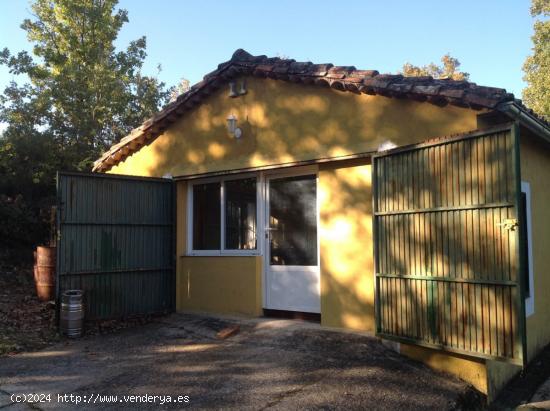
{"x":26,"y":324}
{"x":529,"y":387}
{"x":268,"y":364}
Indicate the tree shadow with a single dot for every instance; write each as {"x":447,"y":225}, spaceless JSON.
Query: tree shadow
{"x":285,"y":367}
{"x":470,"y":305}
{"x":283,"y":123}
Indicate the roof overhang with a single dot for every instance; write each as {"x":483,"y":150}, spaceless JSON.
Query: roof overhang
{"x":526,"y":118}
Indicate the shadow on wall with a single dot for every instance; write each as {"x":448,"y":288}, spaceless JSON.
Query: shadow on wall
{"x":347,"y":289}
{"x":284,"y":122}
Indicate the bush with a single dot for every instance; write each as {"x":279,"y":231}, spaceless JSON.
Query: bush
{"x":23,"y":226}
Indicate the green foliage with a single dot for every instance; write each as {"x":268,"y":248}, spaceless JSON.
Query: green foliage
{"x":182,"y":87}
{"x":537,"y":66}
{"x":82,"y":95}
{"x":89,"y":94}
{"x":449,"y":69}
{"x":22,"y":226}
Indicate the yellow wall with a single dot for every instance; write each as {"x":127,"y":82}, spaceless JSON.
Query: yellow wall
{"x":471,"y":370}
{"x":498,"y":375}
{"x":214,"y":284}
{"x":535,"y":169}
{"x":181,"y":238}
{"x":347,"y":288}
{"x":221,"y":285}
{"x":286,"y":122}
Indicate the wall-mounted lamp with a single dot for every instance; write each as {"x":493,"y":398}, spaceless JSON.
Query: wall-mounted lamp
{"x":232,"y":126}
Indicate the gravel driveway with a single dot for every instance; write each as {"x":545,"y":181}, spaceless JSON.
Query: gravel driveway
{"x":279,"y":364}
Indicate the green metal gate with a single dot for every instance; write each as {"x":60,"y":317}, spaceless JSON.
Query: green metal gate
{"x":116,"y":241}
{"x":447,"y":245}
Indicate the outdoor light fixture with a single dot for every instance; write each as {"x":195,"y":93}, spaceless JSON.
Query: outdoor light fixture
{"x":232,"y":126}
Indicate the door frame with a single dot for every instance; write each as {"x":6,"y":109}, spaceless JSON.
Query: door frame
{"x":264,"y":215}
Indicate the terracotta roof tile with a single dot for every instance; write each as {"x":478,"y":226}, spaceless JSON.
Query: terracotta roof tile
{"x":344,"y":78}
{"x":299,"y":67}
{"x":319,"y":70}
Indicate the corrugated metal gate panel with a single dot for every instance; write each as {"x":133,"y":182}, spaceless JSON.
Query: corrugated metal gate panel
{"x":446,"y":266}
{"x":116,"y":242}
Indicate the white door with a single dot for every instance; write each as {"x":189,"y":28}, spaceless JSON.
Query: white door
{"x":291,"y":255}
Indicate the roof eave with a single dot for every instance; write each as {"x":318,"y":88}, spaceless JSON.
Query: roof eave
{"x":527,"y":119}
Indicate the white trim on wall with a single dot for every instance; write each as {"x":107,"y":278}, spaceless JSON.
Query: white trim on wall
{"x":529,"y":301}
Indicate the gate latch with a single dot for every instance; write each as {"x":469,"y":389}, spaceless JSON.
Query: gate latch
{"x":509,"y":224}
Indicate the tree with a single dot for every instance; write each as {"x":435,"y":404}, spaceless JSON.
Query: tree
{"x":89,"y":94}
{"x":82,"y":95}
{"x":183,"y":86}
{"x":537,"y":66}
{"x":448,"y":70}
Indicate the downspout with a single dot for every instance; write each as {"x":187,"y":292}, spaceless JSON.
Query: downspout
{"x":526,"y":119}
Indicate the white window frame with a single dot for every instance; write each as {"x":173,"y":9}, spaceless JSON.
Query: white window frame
{"x":529,"y":301}
{"x":259,"y":216}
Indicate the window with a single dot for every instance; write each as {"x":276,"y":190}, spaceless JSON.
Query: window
{"x":223,"y":216}
{"x":240,"y":214}
{"x":206,"y":216}
{"x":525,"y":226}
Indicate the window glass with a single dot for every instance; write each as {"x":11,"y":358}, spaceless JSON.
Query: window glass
{"x":240,"y":214}
{"x":206,"y":216}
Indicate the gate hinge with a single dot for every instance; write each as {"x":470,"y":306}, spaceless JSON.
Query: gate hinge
{"x":509,"y":224}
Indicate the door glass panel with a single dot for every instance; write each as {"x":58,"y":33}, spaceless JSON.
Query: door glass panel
{"x":240,"y":214}
{"x":293,"y":221}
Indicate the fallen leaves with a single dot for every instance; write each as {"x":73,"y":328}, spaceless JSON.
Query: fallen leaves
{"x":26,"y":324}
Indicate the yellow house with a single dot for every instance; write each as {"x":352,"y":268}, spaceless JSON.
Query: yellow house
{"x":411,"y":208}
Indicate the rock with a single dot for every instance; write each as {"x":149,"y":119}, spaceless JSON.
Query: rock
{"x":228,"y":332}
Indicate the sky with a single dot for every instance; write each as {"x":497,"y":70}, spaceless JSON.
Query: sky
{"x":491,"y":38}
